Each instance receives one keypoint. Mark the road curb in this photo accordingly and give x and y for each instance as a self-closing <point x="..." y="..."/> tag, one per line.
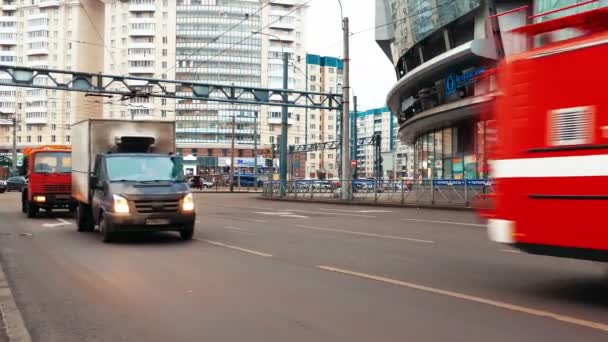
<point x="13" y="321"/>
<point x="366" y="204"/>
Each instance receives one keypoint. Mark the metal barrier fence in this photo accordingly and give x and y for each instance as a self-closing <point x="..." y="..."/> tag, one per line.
<point x="457" y="193"/>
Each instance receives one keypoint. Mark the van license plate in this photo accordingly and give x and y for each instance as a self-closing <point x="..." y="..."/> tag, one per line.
<point x="157" y="222"/>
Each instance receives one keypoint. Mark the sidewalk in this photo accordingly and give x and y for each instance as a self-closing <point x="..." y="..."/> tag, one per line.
<point x="385" y="204"/>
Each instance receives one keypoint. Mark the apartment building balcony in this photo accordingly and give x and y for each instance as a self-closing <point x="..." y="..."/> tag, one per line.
<point x="283" y="25"/>
<point x="9" y="7"/>
<point x="141" y="70"/>
<point x="9" y="29"/>
<point x="43" y="120"/>
<point x="8" y="105"/>
<point x="37" y="51"/>
<point x="142" y="32"/>
<point x="48" y="3"/>
<point x="8" y="40"/>
<point x="9" y="19"/>
<point x="142" y="6"/>
<point x="277" y="121"/>
<point x="141" y="57"/>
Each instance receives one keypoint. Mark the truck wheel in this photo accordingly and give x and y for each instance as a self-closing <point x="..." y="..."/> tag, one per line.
<point x="105" y="229"/>
<point x="84" y="219"/>
<point x="32" y="210"/>
<point x="187" y="233"/>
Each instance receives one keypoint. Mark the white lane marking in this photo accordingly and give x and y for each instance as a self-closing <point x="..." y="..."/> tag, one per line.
<point x="62" y="222"/>
<point x="240" y="249"/>
<point x="330" y="213"/>
<point x="358" y="211"/>
<point x="447" y="222"/>
<point x="511" y="251"/>
<point x="495" y="303"/>
<point x="235" y="228"/>
<point x="391" y="237"/>
<point x="280" y="214"/>
<point x="259" y="221"/>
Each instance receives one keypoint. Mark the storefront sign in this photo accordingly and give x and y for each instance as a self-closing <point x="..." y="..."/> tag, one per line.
<point x="454" y="81"/>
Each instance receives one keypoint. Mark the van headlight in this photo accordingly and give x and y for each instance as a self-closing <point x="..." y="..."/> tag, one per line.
<point x="188" y="203"/>
<point x="121" y="206"/>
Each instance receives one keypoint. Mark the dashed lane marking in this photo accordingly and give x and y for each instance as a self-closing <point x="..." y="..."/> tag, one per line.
<point x="447" y="222"/>
<point x="61" y="222"/>
<point x="480" y="300"/>
<point x="280" y="214"/>
<point x="235" y="228"/>
<point x="236" y="248"/>
<point x="391" y="237"/>
<point x="329" y="213"/>
<point x="511" y="251"/>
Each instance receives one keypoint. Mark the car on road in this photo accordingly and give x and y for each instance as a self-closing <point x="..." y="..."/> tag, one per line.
<point x="2" y="186"/>
<point x="198" y="182"/>
<point x="16" y="184"/>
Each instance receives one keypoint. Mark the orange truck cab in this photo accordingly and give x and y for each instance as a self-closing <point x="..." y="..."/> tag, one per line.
<point x="48" y="170"/>
<point x="550" y="162"/>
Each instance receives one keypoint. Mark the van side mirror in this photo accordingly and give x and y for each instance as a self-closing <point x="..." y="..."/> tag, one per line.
<point x="94" y="182"/>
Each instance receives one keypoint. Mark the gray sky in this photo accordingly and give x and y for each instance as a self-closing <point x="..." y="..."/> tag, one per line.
<point x="372" y="73"/>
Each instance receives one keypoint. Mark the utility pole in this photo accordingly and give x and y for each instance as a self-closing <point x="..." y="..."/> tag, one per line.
<point x="14" y="166"/>
<point x="271" y="166"/>
<point x="284" y="121"/>
<point x="255" y="151"/>
<point x="355" y="148"/>
<point x="232" y="163"/>
<point x="345" y="172"/>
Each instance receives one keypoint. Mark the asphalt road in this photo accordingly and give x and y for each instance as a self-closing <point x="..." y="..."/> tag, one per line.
<point x="268" y="271"/>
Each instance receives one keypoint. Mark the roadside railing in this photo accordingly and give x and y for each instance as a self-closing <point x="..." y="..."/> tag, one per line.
<point x="457" y="193"/>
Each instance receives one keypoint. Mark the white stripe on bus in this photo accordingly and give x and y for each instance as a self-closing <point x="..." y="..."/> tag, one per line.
<point x="571" y="166"/>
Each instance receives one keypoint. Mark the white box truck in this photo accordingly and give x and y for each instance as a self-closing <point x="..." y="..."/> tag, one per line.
<point x="127" y="178"/>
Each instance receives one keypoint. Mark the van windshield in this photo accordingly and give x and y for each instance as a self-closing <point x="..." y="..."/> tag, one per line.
<point x="143" y="169"/>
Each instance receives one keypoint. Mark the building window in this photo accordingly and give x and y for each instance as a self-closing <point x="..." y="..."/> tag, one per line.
<point x="163" y="113"/>
<point x="39" y="138"/>
<point x="67" y="138"/>
<point x="29" y="139"/>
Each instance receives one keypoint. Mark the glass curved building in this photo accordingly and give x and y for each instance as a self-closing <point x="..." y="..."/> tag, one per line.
<point x="440" y="50"/>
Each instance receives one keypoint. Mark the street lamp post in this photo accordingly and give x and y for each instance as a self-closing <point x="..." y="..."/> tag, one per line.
<point x="284" y="117"/>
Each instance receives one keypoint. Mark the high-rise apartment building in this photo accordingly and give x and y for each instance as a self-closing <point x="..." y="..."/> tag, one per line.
<point x="235" y="42"/>
<point x="48" y="34"/>
<point x="395" y="154"/>
<point x="324" y="74"/>
<point x="139" y="39"/>
<point x="229" y="42"/>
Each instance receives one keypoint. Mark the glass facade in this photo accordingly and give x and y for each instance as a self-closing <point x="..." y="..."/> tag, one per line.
<point x="541" y="6"/>
<point x="233" y="58"/>
<point x="417" y="19"/>
<point x="458" y="152"/>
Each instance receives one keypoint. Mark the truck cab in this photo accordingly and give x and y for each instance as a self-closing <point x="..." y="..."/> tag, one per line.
<point x="48" y="171"/>
<point x="128" y="179"/>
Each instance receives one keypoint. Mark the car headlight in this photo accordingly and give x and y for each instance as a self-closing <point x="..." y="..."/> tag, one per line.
<point x="40" y="199"/>
<point x="188" y="203"/>
<point x="121" y="205"/>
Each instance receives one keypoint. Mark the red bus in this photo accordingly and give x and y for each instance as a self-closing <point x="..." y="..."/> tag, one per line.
<point x="550" y="162"/>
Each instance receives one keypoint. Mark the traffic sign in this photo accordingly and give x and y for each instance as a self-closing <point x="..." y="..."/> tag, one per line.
<point x="353" y="163"/>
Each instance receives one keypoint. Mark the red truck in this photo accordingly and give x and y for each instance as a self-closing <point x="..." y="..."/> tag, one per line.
<point x="48" y="170"/>
<point x="550" y="162"/>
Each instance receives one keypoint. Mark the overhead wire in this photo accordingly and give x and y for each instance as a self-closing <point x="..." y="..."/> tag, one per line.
<point x="254" y="33"/>
<point x="247" y="17"/>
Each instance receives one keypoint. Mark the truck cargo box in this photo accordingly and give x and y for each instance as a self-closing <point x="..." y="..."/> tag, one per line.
<point x="99" y="136"/>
